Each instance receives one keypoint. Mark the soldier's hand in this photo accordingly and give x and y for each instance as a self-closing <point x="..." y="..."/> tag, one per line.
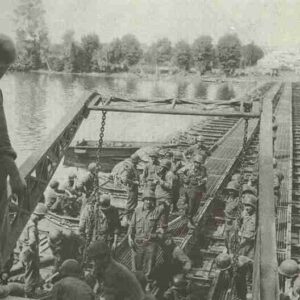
<point x="18" y="185"/>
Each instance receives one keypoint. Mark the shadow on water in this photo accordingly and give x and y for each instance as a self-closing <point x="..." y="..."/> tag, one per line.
<point x="225" y="92"/>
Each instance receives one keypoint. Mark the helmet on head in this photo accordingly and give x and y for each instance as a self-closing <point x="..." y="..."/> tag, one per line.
<point x="288" y="268"/>
<point x="233" y="186"/>
<point x="98" y="249"/>
<point x="40" y="209"/>
<point x="149" y="194"/>
<point x="153" y="153"/>
<point x="54" y="184"/>
<point x="250" y="200"/>
<point x="199" y="139"/>
<point x="166" y="164"/>
<point x="223" y="261"/>
<point x="236" y="177"/>
<point x="169" y="154"/>
<point x="72" y="175"/>
<point x="55" y="235"/>
<point x="104" y="201"/>
<point x="70" y="267"/>
<point x="179" y="281"/>
<point x="248" y="189"/>
<point x="178" y="155"/>
<point x="92" y="167"/>
<point x="198" y="159"/>
<point x="135" y="157"/>
<point x="274" y="163"/>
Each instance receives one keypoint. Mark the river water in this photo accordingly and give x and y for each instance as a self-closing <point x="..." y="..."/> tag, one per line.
<point x="35" y="103"/>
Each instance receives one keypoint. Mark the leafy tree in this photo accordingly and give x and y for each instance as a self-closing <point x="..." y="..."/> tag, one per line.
<point x="32" y="34"/>
<point x="183" y="55"/>
<point x="251" y="53"/>
<point x="203" y="53"/>
<point x="131" y="48"/>
<point x="115" y="54"/>
<point x="229" y="53"/>
<point x="90" y="44"/>
<point x="160" y="52"/>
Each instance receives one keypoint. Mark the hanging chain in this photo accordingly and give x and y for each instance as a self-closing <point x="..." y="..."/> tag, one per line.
<point x="101" y="136"/>
<point x="236" y="239"/>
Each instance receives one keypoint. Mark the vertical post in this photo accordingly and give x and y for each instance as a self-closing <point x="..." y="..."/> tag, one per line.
<point x="266" y="285"/>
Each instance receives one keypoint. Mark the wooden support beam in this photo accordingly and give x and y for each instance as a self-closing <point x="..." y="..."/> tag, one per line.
<point x="265" y="285"/>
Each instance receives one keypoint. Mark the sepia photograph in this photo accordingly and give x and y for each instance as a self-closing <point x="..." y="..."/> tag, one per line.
<point x="150" y="149"/>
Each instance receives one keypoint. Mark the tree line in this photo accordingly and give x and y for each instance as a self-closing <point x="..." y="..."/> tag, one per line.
<point x="35" y="51"/>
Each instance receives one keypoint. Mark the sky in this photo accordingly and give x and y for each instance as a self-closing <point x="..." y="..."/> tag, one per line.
<point x="269" y="23"/>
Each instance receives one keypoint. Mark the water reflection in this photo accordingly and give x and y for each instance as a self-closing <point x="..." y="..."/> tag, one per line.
<point x="35" y="103"/>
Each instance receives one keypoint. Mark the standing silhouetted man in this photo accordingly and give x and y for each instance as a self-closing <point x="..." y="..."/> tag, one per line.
<point x="8" y="166"/>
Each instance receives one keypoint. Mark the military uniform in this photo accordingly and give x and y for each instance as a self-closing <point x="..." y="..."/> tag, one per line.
<point x="72" y="288"/>
<point x="150" y="174"/>
<point x="142" y="229"/>
<point x="30" y="257"/>
<point x="176" y="182"/>
<point x="69" y="247"/>
<point x="164" y="194"/>
<point x="54" y="200"/>
<point x="89" y="182"/>
<point x="194" y="188"/>
<point x="247" y="234"/>
<point x="118" y="283"/>
<point x="198" y="149"/>
<point x="277" y="179"/>
<point x="130" y="177"/>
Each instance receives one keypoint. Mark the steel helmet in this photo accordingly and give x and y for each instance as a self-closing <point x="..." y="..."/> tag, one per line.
<point x="70" y="267"/>
<point x="92" y="167"/>
<point x="198" y="158"/>
<point x="274" y="163"/>
<point x="249" y="189"/>
<point x="177" y="155"/>
<point x="251" y="200"/>
<point x="40" y="209"/>
<point x="104" y="201"/>
<point x="72" y="175"/>
<point x="149" y="194"/>
<point x="98" y="249"/>
<point x="236" y="177"/>
<point x="166" y="164"/>
<point x="179" y="281"/>
<point x="199" y="138"/>
<point x="55" y="235"/>
<point x="153" y="153"/>
<point x="296" y="287"/>
<point x="223" y="261"/>
<point x="135" y="157"/>
<point x="233" y="185"/>
<point x="288" y="268"/>
<point x="54" y="184"/>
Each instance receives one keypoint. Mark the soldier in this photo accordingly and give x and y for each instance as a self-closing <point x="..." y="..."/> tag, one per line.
<point x="248" y="228"/>
<point x="230" y="211"/>
<point x="100" y="220"/>
<point x="65" y="246"/>
<point x="164" y="188"/>
<point x="30" y="250"/>
<point x="274" y="128"/>
<point x="293" y="293"/>
<point x="150" y="171"/>
<point x="69" y="186"/>
<point x="248" y="189"/>
<point x="198" y="149"/>
<point x="117" y="282"/>
<point x="142" y="234"/>
<point x="90" y="181"/>
<point x="277" y="179"/>
<point x="130" y="177"/>
<point x="180" y="289"/>
<point x="224" y="263"/>
<point x="54" y="197"/>
<point x="194" y="187"/>
<point x="71" y="286"/>
<point x="289" y="271"/>
<point x="175" y="261"/>
<point x="177" y="164"/>
<point x="7" y="154"/>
